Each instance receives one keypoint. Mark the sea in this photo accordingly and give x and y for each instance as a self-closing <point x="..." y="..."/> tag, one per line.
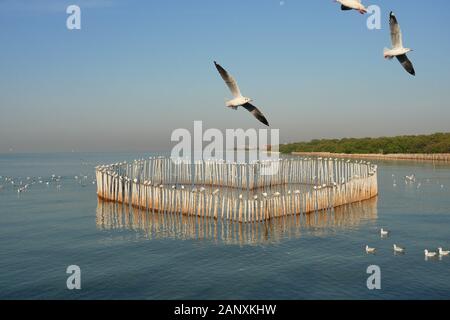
<point x="123" y="253"/>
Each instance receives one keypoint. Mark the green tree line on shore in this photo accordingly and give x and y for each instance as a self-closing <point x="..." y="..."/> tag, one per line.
<point x="434" y="143"/>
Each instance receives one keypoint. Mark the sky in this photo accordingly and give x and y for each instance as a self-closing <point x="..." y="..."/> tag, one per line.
<point x="137" y="70"/>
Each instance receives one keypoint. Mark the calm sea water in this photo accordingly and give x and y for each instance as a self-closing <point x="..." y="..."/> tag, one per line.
<point x="137" y="255"/>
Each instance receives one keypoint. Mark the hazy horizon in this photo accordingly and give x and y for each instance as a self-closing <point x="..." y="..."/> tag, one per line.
<point x="137" y="71"/>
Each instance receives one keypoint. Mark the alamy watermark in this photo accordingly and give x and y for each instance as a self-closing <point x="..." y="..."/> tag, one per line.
<point x="74" y="280"/>
<point x="73" y="21"/>
<point x="235" y="146"/>
<point x="374" y="280"/>
<point x="374" y="19"/>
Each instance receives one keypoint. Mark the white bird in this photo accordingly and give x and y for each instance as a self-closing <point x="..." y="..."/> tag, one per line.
<point x="398" y="249"/>
<point x="370" y="250"/>
<point x="411" y="178"/>
<point x="430" y="254"/>
<point x="384" y="232"/>
<point x="443" y="252"/>
<point x="352" y="5"/>
<point x="398" y="51"/>
<point x="238" y="99"/>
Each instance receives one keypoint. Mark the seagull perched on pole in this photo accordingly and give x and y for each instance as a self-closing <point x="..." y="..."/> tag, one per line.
<point x="398" y="51"/>
<point x="352" y="5"/>
<point x="238" y="99"/>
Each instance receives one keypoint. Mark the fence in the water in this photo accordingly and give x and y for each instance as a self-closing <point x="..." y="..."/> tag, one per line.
<point x="164" y="185"/>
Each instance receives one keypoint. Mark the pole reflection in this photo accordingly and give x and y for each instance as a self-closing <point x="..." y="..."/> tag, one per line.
<point x="159" y="225"/>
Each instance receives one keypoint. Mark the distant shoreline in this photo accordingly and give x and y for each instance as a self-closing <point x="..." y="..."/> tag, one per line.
<point x="444" y="157"/>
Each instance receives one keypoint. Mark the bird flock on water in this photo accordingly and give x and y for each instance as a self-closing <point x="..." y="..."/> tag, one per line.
<point x="440" y="252"/>
<point x="411" y="180"/>
<point x="22" y="185"/>
<point x="397" y="51"/>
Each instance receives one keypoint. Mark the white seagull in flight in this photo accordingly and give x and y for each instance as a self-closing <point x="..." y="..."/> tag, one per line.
<point x="352" y="5"/>
<point x="398" y="51"/>
<point x="238" y="99"/>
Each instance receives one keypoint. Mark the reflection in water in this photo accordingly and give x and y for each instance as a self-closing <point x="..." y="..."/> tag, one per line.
<point x="155" y="225"/>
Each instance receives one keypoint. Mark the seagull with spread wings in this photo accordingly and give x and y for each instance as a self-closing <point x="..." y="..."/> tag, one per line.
<point x="239" y="100"/>
<point x="398" y="51"/>
<point x="352" y="5"/>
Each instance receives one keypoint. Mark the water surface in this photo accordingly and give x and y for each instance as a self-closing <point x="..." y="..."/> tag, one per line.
<point x="139" y="255"/>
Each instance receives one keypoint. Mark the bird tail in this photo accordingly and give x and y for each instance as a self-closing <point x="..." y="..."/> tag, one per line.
<point x="229" y="104"/>
<point x="386" y="54"/>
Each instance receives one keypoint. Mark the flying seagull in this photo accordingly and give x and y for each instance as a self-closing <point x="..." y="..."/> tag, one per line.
<point x="238" y="99"/>
<point x="352" y="5"/>
<point x="398" y="51"/>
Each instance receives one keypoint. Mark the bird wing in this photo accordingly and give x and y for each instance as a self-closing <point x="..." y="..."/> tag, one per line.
<point x="229" y="80"/>
<point x="407" y="64"/>
<point x="255" y="111"/>
<point x="396" y="33"/>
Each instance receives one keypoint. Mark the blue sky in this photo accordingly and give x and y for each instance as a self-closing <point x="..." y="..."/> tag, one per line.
<point x="139" y="69"/>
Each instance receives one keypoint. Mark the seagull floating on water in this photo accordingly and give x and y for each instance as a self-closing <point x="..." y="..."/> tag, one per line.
<point x="398" y="249"/>
<point x="370" y="250"/>
<point x="238" y="99"/>
<point x="398" y="51"/>
<point x="352" y="5"/>
<point x="384" y="232"/>
<point x="430" y="254"/>
<point x="443" y="252"/>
